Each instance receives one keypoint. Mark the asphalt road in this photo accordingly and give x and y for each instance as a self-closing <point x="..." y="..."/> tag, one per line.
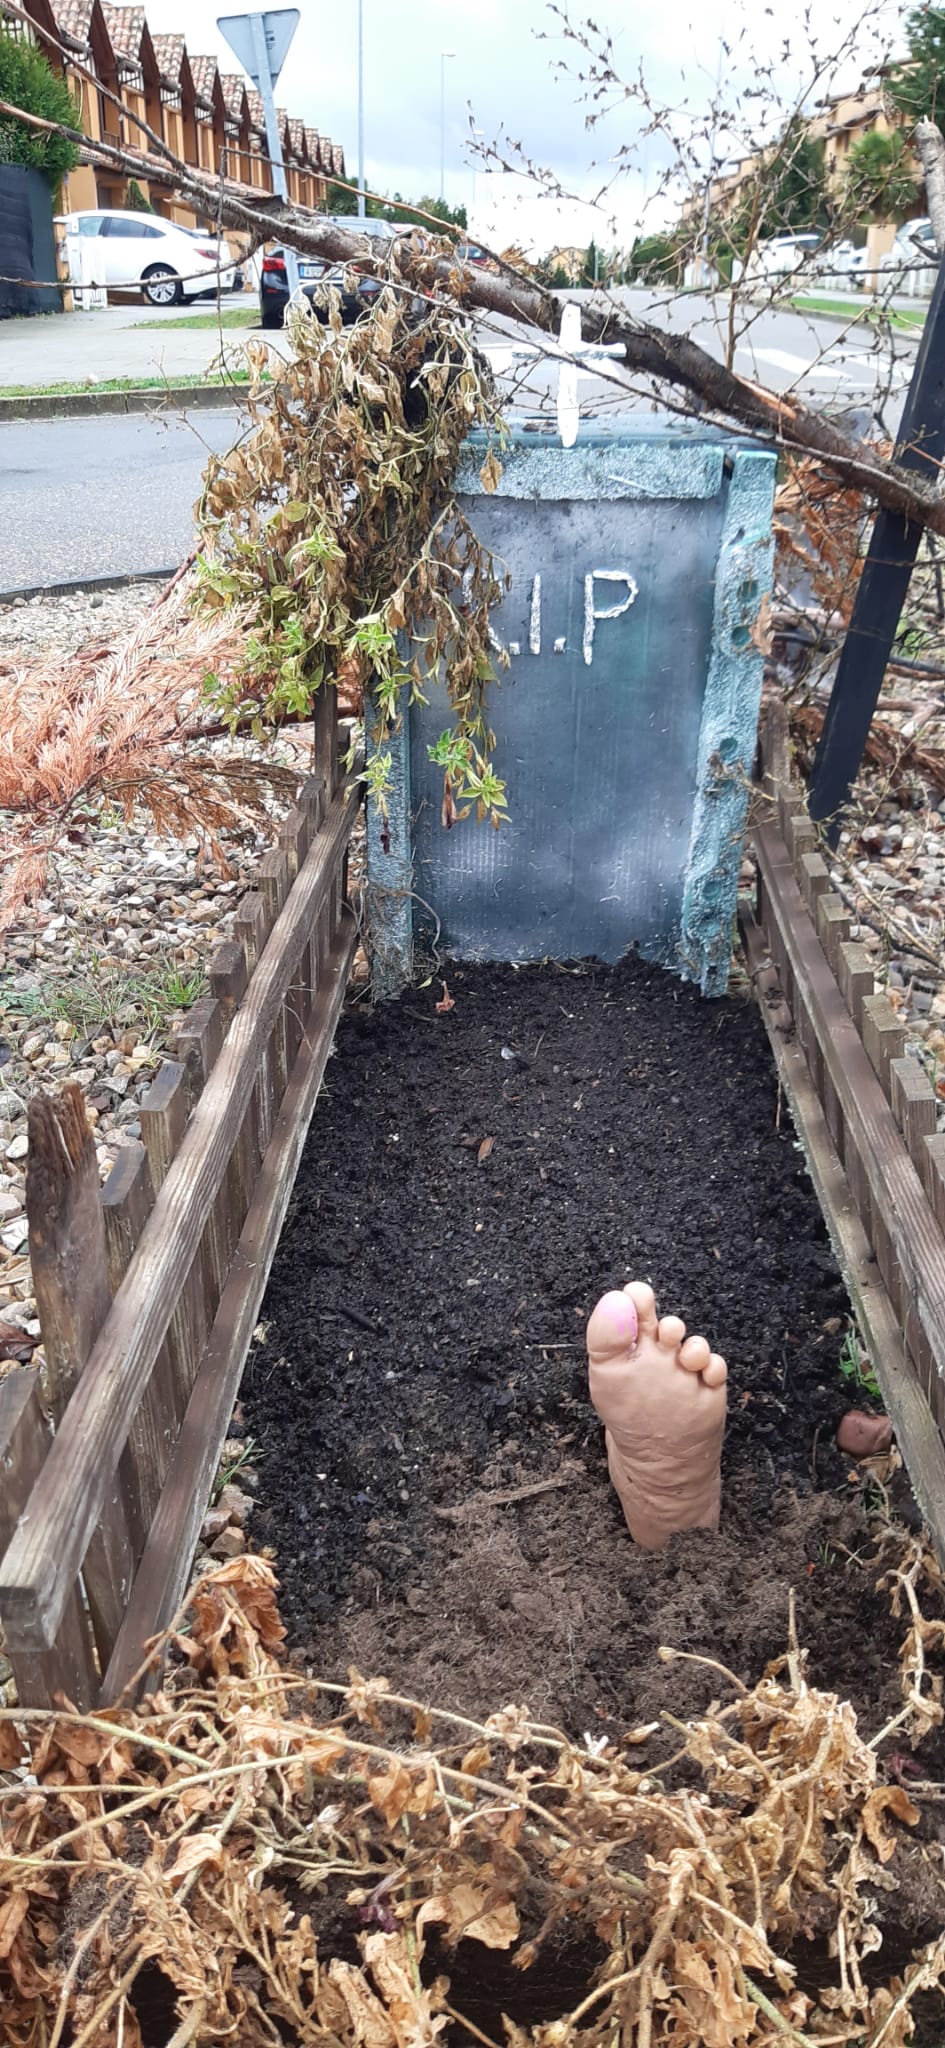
<point x="101" y="497"/>
<point x="107" y="496"/>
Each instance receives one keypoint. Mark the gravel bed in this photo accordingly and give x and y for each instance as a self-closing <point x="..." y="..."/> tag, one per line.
<point x="31" y="626"/>
<point x="95" y="975"/>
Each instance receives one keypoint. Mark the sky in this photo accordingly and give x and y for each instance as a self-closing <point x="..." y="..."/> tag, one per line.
<point x="505" y="78"/>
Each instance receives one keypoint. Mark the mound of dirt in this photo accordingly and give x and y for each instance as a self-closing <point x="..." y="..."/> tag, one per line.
<point x="432" y="1478"/>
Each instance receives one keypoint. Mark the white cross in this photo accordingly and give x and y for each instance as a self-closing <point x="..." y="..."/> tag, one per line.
<point x="572" y="353"/>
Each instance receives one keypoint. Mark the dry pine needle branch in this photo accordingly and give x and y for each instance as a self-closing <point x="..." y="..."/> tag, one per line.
<point x="309" y="1863"/>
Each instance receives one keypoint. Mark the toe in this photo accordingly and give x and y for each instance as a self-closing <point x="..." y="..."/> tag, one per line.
<point x="613" y="1326"/>
<point x="644" y="1301"/>
<point x="695" y="1354"/>
<point x="715" y="1373"/>
<point x="671" y="1333"/>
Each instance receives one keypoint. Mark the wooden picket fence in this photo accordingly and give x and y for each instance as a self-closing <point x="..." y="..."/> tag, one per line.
<point x="148" y="1289"/>
<point x="865" y="1110"/>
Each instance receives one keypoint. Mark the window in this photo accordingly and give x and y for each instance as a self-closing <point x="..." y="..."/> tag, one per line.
<point x="129" y="230"/>
<point x="89" y="223"/>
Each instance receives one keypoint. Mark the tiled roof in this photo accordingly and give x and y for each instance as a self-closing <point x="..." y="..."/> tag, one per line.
<point x="203" y="71"/>
<point x="297" y="137"/>
<point x="337" y="159"/>
<point x="125" y="26"/>
<point x="169" y="51"/>
<point x="74" y="20"/>
<point x="233" y="90"/>
<point x="256" y="112"/>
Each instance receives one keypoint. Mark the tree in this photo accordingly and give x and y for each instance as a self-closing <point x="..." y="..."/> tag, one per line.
<point x="403" y="213"/>
<point x="592" y="269"/>
<point x="917" y="86"/>
<point x="135" y="200"/>
<point x="878" y="181"/>
<point x="787" y="195"/>
<point x="655" y="259"/>
<point x="343" y="200"/>
<point x="29" y="82"/>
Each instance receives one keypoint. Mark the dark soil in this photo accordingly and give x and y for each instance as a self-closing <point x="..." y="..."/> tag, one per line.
<point x="472" y="1182"/>
<point x="475" y="1178"/>
<point x="421" y="1354"/>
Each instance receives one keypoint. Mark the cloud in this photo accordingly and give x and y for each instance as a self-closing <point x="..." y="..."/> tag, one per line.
<point x="506" y="75"/>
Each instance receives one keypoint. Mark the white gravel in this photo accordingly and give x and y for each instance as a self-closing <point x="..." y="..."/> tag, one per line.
<point x="95" y="974"/>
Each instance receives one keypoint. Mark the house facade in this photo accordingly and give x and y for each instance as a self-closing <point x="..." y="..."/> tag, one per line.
<point x="134" y="88"/>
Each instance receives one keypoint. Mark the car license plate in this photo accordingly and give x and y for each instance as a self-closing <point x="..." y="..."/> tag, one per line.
<point x="309" y="269"/>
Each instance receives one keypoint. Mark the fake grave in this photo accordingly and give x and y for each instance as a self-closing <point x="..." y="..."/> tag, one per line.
<point x="639" y="561"/>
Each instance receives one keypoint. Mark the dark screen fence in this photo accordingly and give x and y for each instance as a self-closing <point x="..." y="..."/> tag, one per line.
<point x="27" y="243"/>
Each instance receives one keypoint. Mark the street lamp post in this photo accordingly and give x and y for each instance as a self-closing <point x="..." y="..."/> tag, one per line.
<point x="362" y="204"/>
<point x="444" y="54"/>
<point x="477" y="135"/>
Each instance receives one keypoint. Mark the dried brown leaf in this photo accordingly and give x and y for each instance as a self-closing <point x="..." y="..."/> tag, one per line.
<point x="887" y="1799"/>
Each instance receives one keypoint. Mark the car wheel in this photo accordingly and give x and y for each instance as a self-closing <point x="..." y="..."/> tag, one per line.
<point x="272" y="319"/>
<point x="161" y="286"/>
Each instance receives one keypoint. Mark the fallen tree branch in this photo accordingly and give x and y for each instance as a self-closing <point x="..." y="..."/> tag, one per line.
<point x="671" y="359"/>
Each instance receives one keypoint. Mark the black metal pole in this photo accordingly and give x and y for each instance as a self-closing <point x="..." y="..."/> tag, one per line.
<point x="884" y="582"/>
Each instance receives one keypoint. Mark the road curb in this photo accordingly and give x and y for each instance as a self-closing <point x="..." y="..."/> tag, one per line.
<point x="25" y="591"/>
<point x="89" y="404"/>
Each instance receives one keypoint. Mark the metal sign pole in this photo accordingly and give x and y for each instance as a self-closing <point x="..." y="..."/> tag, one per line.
<point x="266" y="84"/>
<point x="884" y="583"/>
<point x="261" y="41"/>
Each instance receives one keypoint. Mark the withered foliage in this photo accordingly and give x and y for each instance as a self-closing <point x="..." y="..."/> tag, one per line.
<point x="213" y="1831"/>
<point x="819" y="529"/>
<point x="120" y="725"/>
<point x="334" y="530"/>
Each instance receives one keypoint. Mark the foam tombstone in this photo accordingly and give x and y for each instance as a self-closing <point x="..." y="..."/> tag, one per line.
<point x="661" y="1397"/>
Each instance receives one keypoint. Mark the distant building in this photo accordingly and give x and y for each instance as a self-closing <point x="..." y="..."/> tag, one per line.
<point x="213" y="121"/>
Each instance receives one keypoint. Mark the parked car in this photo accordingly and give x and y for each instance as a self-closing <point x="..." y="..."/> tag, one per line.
<point x="782" y="256"/>
<point x="912" y="261"/>
<point x="141" y="250"/>
<point x="315" y="277"/>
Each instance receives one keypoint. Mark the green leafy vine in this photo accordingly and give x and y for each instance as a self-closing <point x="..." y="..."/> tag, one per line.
<point x="333" y="530"/>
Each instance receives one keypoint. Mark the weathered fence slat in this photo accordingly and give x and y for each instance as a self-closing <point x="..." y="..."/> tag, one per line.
<point x="48" y="1547"/>
<point x="68" y="1667"/>
<point x="896" y="1192"/>
<point x="882" y="1117"/>
<point x="196" y="1044"/>
<point x="229" y="980"/>
<point x="127" y="1200"/>
<point x="914" y="1108"/>
<point x="252" y="927"/>
<point x="166" y="1561"/>
<point x="164" y="1112"/>
<point x="856" y="977"/>
<point x="70" y="1282"/>
<point x="883" y="1037"/>
<point x="901" y="1385"/>
<point x="833" y="925"/>
<point x="312" y="806"/>
<point x="274" y="888"/>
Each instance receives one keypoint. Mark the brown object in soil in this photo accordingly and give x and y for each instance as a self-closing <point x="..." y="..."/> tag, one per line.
<point x="864" y="1436"/>
<point x="661" y="1396"/>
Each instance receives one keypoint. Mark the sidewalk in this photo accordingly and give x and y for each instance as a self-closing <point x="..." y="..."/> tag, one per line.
<point x="93" y="348"/>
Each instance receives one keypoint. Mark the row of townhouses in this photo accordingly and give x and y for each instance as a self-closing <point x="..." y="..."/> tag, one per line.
<point x="211" y="119"/>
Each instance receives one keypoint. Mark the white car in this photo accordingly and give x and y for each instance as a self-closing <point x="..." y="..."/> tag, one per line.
<point x="782" y="256"/>
<point x="141" y="250"/>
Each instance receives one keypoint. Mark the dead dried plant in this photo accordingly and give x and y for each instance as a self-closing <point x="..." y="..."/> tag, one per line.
<point x="334" y="530"/>
<point x="122" y="725"/>
<point x="215" y="1828"/>
<point x="819" y="529"/>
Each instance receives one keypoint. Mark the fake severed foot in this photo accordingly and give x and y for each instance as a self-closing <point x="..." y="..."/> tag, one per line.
<point x="661" y="1397"/>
